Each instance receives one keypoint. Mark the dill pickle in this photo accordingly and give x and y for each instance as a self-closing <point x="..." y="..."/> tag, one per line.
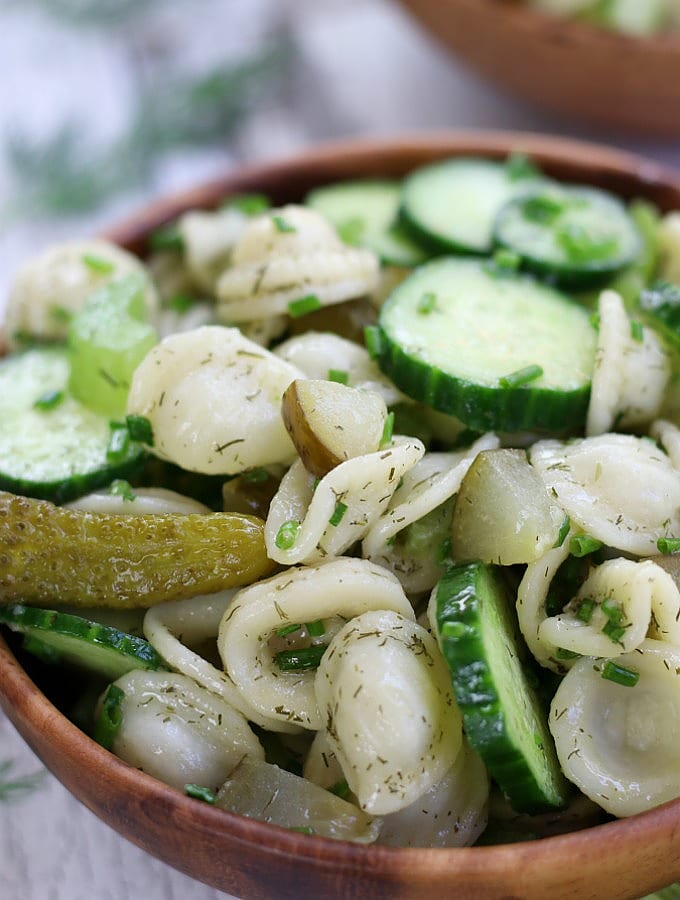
<point x="53" y="555"/>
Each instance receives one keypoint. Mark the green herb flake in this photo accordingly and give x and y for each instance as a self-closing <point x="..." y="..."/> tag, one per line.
<point x="180" y="303"/>
<point x="542" y="209"/>
<point x="168" y="237"/>
<point x="564" y="654"/>
<point x="256" y="476"/>
<point x="594" y="320"/>
<point x="503" y="262"/>
<point x="200" y="792"/>
<point x="373" y="340"/>
<point x="340" y="789"/>
<point x="140" y="429"/>
<point x="283" y="226"/>
<point x="612" y="610"/>
<point x="122" y="488"/>
<point x="97" y="264"/>
<point x="303" y="829"/>
<point x="302" y="306"/>
<point x="351" y="231"/>
<point x="300" y="660"/>
<point x="287" y="535"/>
<point x="49" y="400"/>
<point x="338" y="375"/>
<point x="668" y="545"/>
<point x="119" y="443"/>
<point x="338" y="514"/>
<point x="581" y="246"/>
<point x="611" y="671"/>
<point x="583" y="544"/>
<point x="388" y="430"/>
<point x="585" y="610"/>
<point x="563" y="532"/>
<point x="521" y="377"/>
<point x="60" y="314"/>
<point x="614" y="632"/>
<point x="248" y="204"/>
<point x="316" y="629"/>
<point x="427" y="303"/>
<point x="637" y="331"/>
<point x="110" y="718"/>
<point x="518" y="166"/>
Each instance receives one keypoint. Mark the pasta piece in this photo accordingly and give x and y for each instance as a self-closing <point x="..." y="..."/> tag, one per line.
<point x="209" y="239"/>
<point x="344" y="587"/>
<point x="453" y="813"/>
<point x="384" y="694"/>
<point x="359" y="488"/>
<point x="48" y="290"/>
<point x="288" y="254"/>
<point x="178" y="732"/>
<point x="264" y="331"/>
<point x="262" y="791"/>
<point x="213" y="399"/>
<point x="631" y="371"/>
<point x="618" y="488"/>
<point x="317" y="354"/>
<point x="669" y="237"/>
<point x="173" y="628"/>
<point x="321" y="764"/>
<point x="668" y="435"/>
<point x="619" y="743"/>
<point x="138" y="502"/>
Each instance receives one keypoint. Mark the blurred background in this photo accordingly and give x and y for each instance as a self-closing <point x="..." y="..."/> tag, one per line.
<point x="106" y="104"/>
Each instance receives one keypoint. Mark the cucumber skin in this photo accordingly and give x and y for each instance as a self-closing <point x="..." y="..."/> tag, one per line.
<point x="64" y="490"/>
<point x="482" y="407"/>
<point x="484" y="722"/>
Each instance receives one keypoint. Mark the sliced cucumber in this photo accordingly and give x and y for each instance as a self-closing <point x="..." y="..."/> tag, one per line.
<point x="500" y="352"/>
<point x="366" y="213"/>
<point x="64" y="638"/>
<point x="503" y="717"/>
<point x="58" y="449"/>
<point x="452" y="205"/>
<point x="575" y="235"/>
<point x="660" y="305"/>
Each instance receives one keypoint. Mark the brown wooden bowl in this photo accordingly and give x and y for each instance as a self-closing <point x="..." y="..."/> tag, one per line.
<point x="622" y="859"/>
<point x="590" y="73"/>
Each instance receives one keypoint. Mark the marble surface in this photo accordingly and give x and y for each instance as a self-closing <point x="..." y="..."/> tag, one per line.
<point x="359" y="67"/>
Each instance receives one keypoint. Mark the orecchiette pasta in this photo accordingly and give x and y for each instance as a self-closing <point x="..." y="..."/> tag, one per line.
<point x="139" y="502"/>
<point x="209" y="239"/>
<point x="385" y="697"/>
<point x="344" y="587"/>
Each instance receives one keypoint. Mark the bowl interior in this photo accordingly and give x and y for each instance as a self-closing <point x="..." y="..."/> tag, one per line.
<point x="626" y="858"/>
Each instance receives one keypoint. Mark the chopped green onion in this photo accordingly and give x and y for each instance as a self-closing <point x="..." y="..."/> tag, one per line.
<point x="60" y="314"/>
<point x="249" y="204"/>
<point x="300" y="660"/>
<point x="303" y="829"/>
<point x="119" y="443"/>
<point x="612" y="610"/>
<point x="316" y="629"/>
<point x="287" y="534"/>
<point x="287" y="629"/>
<point x="620" y="675"/>
<point x="668" y="545"/>
<point x="585" y="610"/>
<point x="503" y="262"/>
<point x="49" y="400"/>
<point x="140" y="430"/>
<point x="388" y="430"/>
<point x="168" y="237"/>
<point x="614" y="631"/>
<point x="282" y="226"/>
<point x="110" y="719"/>
<point x="542" y="208"/>
<point x="303" y="306"/>
<point x="256" y="476"/>
<point x="338" y="513"/>
<point x="122" y="488"/>
<point x="521" y="377"/>
<point x="338" y="375"/>
<point x="563" y="532"/>
<point x="97" y="264"/>
<point x="582" y="246"/>
<point x="518" y="166"/>
<point x="351" y="231"/>
<point x="637" y="331"/>
<point x="562" y="653"/>
<point x="594" y="320"/>
<point x="340" y="789"/>
<point x="583" y="544"/>
<point x="180" y="303"/>
<point x="427" y="303"/>
<point x="200" y="792"/>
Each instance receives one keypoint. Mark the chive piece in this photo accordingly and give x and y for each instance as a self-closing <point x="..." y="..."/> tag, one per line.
<point x="287" y="629"/>
<point x="521" y="377"/>
<point x="373" y="340"/>
<point x="563" y="532"/>
<point x="287" y="534"/>
<point x="200" y="792"/>
<point x="107" y="725"/>
<point x="168" y="237"/>
<point x="388" y="430"/>
<point x="351" y="231"/>
<point x="503" y="262"/>
<point x="338" y="375"/>
<point x="620" y="675"/>
<point x="338" y="513"/>
<point x="585" y="610"/>
<point x="49" y="400"/>
<point x="180" y="303"/>
<point x="340" y="789"/>
<point x="583" y="544"/>
<point x="668" y="545"/>
<point x="256" y="476"/>
<point x="122" y="488"/>
<point x="594" y="320"/>
<point x="518" y="166"/>
<point x="303" y="305"/>
<point x="249" y="204"/>
<point x="139" y="429"/>
<point x="542" y="208"/>
<point x="97" y="264"/>
<point x="303" y="829"/>
<point x="637" y="331"/>
<point x="582" y="246"/>
<point x="283" y="226"/>
<point x="562" y="653"/>
<point x="614" y="631"/>
<point x="427" y="303"/>
<point x="316" y="629"/>
<point x="61" y="314"/>
<point x="119" y="443"/>
<point x="612" y="610"/>
<point x="300" y="660"/>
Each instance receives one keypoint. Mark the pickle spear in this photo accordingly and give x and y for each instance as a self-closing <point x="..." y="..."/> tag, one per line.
<point x="53" y="555"/>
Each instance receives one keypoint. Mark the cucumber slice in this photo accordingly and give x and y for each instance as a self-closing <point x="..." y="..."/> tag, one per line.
<point x="472" y="349"/>
<point x="660" y="305"/>
<point x="366" y="213"/>
<point x="59" y="451"/>
<point x="503" y="717"/>
<point x="63" y="638"/>
<point x="576" y="236"/>
<point x="452" y="205"/>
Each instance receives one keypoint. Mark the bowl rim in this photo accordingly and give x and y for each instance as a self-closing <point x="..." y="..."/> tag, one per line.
<point x="38" y="720"/>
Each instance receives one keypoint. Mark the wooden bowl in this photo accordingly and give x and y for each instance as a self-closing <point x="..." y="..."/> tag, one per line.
<point x="622" y="859"/>
<point x="594" y="74"/>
